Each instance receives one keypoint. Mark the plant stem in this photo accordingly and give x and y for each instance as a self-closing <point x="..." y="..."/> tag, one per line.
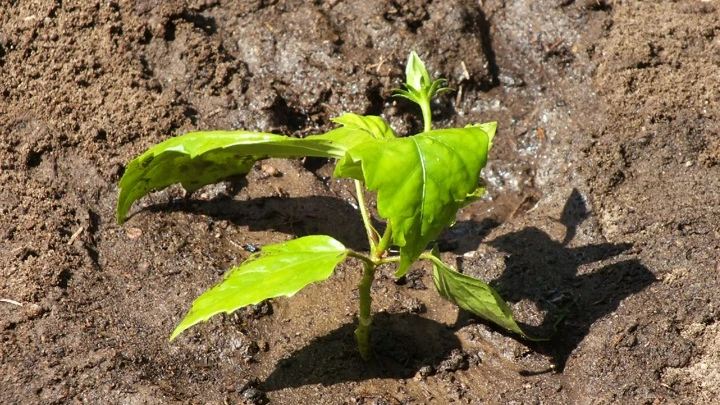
<point x="370" y="264"/>
<point x="362" y="333"/>
<point x="371" y="233"/>
<point x="427" y="115"/>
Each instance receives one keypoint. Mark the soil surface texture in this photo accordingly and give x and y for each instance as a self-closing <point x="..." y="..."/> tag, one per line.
<point x="603" y="201"/>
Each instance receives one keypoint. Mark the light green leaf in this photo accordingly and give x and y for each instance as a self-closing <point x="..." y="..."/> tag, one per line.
<point x="418" y="86"/>
<point x="475" y="195"/>
<point x="421" y="181"/>
<point x="416" y="75"/>
<point x="490" y="128"/>
<point x="372" y="125"/>
<point x="201" y="158"/>
<point x="472" y="295"/>
<point x="279" y="270"/>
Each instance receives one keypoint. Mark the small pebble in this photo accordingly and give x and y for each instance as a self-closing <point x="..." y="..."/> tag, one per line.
<point x="253" y="395"/>
<point x="270" y="171"/>
<point x="133" y="233"/>
<point x="424" y="372"/>
<point x="33" y="311"/>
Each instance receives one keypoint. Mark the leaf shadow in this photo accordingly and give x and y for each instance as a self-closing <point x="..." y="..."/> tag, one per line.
<point x="299" y="216"/>
<point x="465" y="236"/>
<point x="401" y="345"/>
<point x="548" y="273"/>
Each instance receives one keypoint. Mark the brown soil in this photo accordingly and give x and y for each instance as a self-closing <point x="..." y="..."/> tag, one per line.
<point x="604" y="195"/>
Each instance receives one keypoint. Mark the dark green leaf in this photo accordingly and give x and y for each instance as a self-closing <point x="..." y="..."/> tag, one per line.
<point x="472" y="295"/>
<point x="279" y="270"/>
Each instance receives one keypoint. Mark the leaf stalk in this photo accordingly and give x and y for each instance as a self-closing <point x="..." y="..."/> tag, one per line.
<point x="371" y="232"/>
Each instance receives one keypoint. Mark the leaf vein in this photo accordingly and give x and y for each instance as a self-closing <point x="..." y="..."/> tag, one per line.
<point x="424" y="182"/>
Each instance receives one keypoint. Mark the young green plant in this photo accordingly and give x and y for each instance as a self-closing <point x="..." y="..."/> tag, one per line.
<point x="421" y="182"/>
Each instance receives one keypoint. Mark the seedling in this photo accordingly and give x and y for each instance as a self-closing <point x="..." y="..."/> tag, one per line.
<point x="421" y="183"/>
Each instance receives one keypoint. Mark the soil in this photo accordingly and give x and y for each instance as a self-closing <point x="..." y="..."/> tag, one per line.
<point x="603" y="201"/>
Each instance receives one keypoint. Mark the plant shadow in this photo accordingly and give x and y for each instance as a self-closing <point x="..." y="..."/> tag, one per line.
<point x="299" y="216"/>
<point x="401" y="345"/>
<point x="548" y="273"/>
<point x="538" y="269"/>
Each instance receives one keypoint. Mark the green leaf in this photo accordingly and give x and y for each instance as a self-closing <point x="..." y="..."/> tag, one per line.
<point x="372" y="125"/>
<point x="419" y="88"/>
<point x="490" y="128"/>
<point x="475" y="195"/>
<point x="279" y="270"/>
<point x="416" y="75"/>
<point x="201" y="158"/>
<point x="472" y="295"/>
<point x="421" y="181"/>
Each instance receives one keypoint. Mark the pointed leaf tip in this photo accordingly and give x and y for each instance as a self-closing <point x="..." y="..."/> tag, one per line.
<point x="197" y="159"/>
<point x="278" y="270"/>
<point x="472" y="295"/>
<point x="416" y="75"/>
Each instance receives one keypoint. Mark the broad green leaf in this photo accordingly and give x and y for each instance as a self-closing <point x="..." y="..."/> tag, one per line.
<point x="421" y="181"/>
<point x="279" y="270"/>
<point x="201" y="158"/>
<point x="472" y="295"/>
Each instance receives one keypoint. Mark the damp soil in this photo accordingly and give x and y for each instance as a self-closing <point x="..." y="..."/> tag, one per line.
<point x="603" y="201"/>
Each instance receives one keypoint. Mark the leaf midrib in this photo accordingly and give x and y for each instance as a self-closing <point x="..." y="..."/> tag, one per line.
<point x="424" y="182"/>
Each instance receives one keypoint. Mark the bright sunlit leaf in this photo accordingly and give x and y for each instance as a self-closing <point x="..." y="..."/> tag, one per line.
<point x="279" y="270"/>
<point x="201" y="158"/>
<point x="421" y="181"/>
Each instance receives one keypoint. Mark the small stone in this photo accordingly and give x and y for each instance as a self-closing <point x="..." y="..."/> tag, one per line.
<point x="424" y="372"/>
<point x="34" y="310"/>
<point x="458" y="360"/>
<point x="270" y="171"/>
<point x="253" y="395"/>
<point x="133" y="233"/>
<point x="414" y="306"/>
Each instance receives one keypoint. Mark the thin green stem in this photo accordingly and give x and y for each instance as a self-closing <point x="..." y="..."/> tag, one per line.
<point x="362" y="333"/>
<point x="387" y="260"/>
<point x="427" y="114"/>
<point x="371" y="233"/>
<point x="365" y="259"/>
<point x="429" y="256"/>
<point x="370" y="264"/>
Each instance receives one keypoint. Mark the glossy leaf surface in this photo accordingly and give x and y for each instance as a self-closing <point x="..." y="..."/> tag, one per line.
<point x="200" y="158"/>
<point x="421" y="181"/>
<point x="279" y="270"/>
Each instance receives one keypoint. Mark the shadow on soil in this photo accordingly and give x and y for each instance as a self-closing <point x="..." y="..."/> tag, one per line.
<point x="402" y="344"/>
<point x="537" y="269"/>
<point x="542" y="270"/>
<point x="299" y="216"/>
